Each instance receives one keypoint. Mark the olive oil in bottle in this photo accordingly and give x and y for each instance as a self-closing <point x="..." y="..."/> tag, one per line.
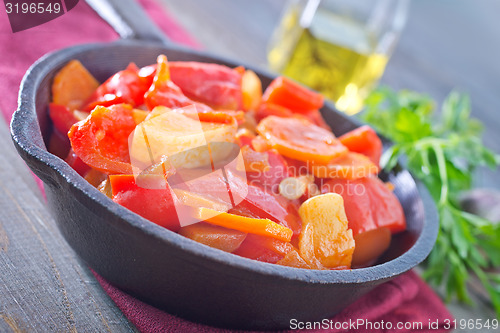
<point x="333" y="54"/>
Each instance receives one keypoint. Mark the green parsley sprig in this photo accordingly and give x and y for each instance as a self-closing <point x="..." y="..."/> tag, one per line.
<point x="443" y="150"/>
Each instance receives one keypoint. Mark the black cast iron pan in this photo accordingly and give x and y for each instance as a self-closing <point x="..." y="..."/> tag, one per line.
<point x="163" y="268"/>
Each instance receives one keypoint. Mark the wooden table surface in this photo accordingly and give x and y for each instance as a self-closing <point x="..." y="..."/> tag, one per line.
<point x="43" y="285"/>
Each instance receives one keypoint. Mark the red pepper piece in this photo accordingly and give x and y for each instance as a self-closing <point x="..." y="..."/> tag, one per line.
<point x="215" y="85"/>
<point x="363" y="140"/>
<point x="288" y="93"/>
<point x="101" y="141"/>
<point x="165" y="92"/>
<point x="156" y="205"/>
<point x="147" y="73"/>
<point x="62" y="117"/>
<point x="126" y="86"/>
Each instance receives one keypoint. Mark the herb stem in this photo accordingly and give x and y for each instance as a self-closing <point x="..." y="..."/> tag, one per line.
<point x="443" y="174"/>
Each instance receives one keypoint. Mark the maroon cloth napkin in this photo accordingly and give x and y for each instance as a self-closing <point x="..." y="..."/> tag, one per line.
<point x="406" y="299"/>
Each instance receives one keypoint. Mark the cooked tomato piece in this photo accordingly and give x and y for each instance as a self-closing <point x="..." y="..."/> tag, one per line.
<point x="264" y="249"/>
<point x="156" y="205"/>
<point x="296" y="168"/>
<point x="94" y="177"/>
<point x="349" y="166"/>
<point x="126" y="86"/>
<point x="369" y="204"/>
<point x="270" y="207"/>
<point x="363" y="140"/>
<point x="300" y="139"/>
<point x="270" y="109"/>
<point x="215" y="85"/>
<point x="101" y="140"/>
<point x="214" y="236"/>
<point x="288" y="93"/>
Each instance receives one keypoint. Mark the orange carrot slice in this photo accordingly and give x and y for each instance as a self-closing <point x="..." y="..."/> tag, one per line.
<point x="263" y="227"/>
<point x="214" y="236"/>
<point x="300" y="139"/>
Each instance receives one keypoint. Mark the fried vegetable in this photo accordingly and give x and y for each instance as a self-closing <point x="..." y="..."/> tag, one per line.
<point x="288" y="93"/>
<point x="262" y="227"/>
<point x="370" y="245"/>
<point x="156" y="205"/>
<point x="325" y="241"/>
<point x="73" y="85"/>
<point x="215" y="85"/>
<point x="300" y="139"/>
<point x="365" y="141"/>
<point x="293" y="259"/>
<point x="251" y="90"/>
<point x="126" y="86"/>
<point x="101" y="140"/>
<point x="369" y="204"/>
<point x="164" y="92"/>
<point x="264" y="249"/>
<point x="349" y="166"/>
<point x="224" y="239"/>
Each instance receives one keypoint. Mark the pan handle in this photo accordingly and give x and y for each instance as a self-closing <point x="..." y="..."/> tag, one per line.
<point x="128" y="19"/>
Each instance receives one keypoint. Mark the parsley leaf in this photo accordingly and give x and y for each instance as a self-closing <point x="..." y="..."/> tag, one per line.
<point x="443" y="150"/>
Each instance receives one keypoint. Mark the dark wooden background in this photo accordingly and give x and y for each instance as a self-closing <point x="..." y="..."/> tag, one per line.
<point x="44" y="287"/>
